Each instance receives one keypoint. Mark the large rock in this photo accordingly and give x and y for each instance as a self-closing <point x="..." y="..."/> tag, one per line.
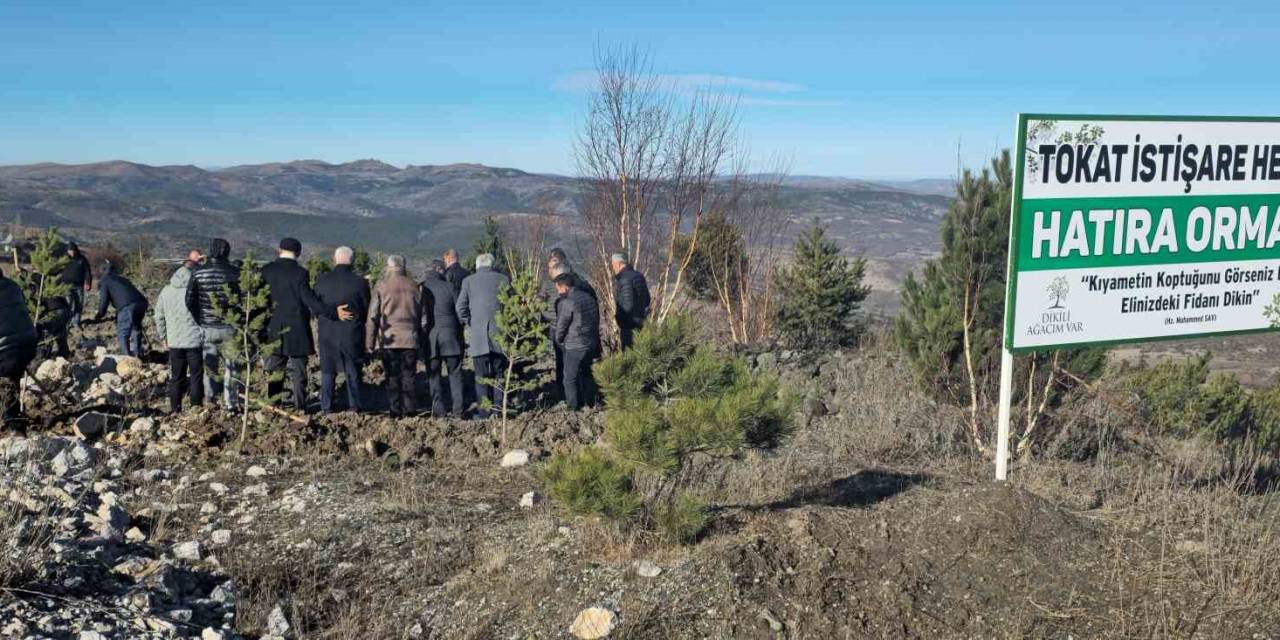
<point x="53" y="372"/>
<point x="129" y="367"/>
<point x="593" y="623"/>
<point x="516" y="458"/>
<point x="187" y="550"/>
<point x="277" y="624"/>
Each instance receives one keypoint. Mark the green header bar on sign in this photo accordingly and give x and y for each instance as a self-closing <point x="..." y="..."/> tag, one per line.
<point x="1068" y="233"/>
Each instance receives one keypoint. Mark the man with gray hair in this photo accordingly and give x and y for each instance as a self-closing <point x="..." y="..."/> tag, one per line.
<point x="557" y="265"/>
<point x="478" y="307"/>
<point x="393" y="332"/>
<point x="631" y="295"/>
<point x="342" y="343"/>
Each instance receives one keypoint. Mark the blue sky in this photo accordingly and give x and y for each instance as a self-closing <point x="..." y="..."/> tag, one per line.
<point x="883" y="89"/>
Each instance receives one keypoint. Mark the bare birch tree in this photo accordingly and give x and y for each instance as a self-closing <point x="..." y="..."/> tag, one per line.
<point x="652" y="164"/>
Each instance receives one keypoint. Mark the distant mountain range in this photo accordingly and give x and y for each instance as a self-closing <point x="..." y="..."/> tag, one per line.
<point x="415" y="209"/>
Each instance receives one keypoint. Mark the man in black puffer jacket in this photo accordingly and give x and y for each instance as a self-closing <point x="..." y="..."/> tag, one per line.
<point x="17" y="349"/>
<point x="207" y="290"/>
<point x="131" y="307"/>
<point x="577" y="332"/>
<point x="631" y="294"/>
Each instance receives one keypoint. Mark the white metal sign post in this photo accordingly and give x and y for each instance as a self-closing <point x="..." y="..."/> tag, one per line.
<point x="1137" y="228"/>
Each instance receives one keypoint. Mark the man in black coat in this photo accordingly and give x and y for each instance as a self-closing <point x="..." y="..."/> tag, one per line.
<point x="443" y="339"/>
<point x="292" y="305"/>
<point x="342" y="343"/>
<point x="131" y="307"/>
<point x="631" y="293"/>
<point x="17" y="349"/>
<point x="210" y="283"/>
<point x="577" y="331"/>
<point x="79" y="276"/>
<point x="454" y="272"/>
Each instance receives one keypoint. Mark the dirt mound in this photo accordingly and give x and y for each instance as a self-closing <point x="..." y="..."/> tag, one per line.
<point x="972" y="561"/>
<point x="444" y="441"/>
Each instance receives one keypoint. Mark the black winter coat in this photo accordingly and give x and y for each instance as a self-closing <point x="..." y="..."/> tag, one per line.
<point x="208" y="283"/>
<point x="632" y="295"/>
<point x="16" y="330"/>
<point x="455" y="274"/>
<point x="577" y="321"/>
<point x="77" y="273"/>
<point x="342" y="286"/>
<point x="440" y="322"/>
<point x="116" y="290"/>
<point x="292" y="305"/>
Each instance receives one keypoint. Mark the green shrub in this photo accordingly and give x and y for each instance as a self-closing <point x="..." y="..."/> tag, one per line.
<point x="668" y="400"/>
<point x="821" y="293"/>
<point x="590" y="481"/>
<point x="1184" y="399"/>
<point x="681" y="520"/>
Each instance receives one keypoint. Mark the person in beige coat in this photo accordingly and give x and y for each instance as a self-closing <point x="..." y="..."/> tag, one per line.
<point x="393" y="333"/>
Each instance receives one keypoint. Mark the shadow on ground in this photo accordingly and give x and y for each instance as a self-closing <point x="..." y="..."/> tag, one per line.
<point x="861" y="489"/>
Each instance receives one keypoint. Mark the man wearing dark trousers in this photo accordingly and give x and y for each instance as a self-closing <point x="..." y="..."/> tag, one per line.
<point x="478" y="307"/>
<point x="183" y="337"/>
<point x="578" y="334"/>
<point x="342" y="343"/>
<point x="79" y="276"/>
<point x="207" y="292"/>
<point x="17" y="350"/>
<point x="557" y="264"/>
<point x="131" y="307"/>
<point x="292" y="304"/>
<point x="394" y="333"/>
<point x="442" y="338"/>
<point x="631" y="294"/>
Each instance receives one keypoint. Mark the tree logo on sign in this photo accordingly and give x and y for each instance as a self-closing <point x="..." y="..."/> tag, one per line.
<point x="1058" y="289"/>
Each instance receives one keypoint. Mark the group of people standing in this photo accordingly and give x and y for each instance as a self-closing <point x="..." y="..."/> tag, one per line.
<point x="450" y="314"/>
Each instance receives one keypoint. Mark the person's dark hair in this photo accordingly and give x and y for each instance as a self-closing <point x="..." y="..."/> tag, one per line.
<point x="558" y="254"/>
<point x="292" y="245"/>
<point x="437" y="266"/>
<point x="565" y="279"/>
<point x="219" y="249"/>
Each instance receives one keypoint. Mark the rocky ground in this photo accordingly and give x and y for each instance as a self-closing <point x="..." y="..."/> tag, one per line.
<point x="873" y="521"/>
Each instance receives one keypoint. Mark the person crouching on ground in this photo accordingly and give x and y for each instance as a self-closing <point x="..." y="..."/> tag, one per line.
<point x="131" y="307"/>
<point x="184" y="339"/>
<point x="17" y="350"/>
<point x="395" y="319"/>
<point x="578" y="334"/>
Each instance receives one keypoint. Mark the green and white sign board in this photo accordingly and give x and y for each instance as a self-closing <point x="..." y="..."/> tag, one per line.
<point x="1134" y="228"/>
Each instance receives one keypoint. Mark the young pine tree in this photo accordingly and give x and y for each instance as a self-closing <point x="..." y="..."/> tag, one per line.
<point x="248" y="311"/>
<point x="522" y="335"/>
<point x="368" y="265"/>
<point x="490" y="241"/>
<point x="951" y="322"/>
<point x="821" y="293"/>
<point x="669" y="399"/>
<point x="317" y="266"/>
<point x="41" y="281"/>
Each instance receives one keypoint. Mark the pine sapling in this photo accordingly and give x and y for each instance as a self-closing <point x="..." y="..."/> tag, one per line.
<point x="522" y="336"/>
<point x="247" y="311"/>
